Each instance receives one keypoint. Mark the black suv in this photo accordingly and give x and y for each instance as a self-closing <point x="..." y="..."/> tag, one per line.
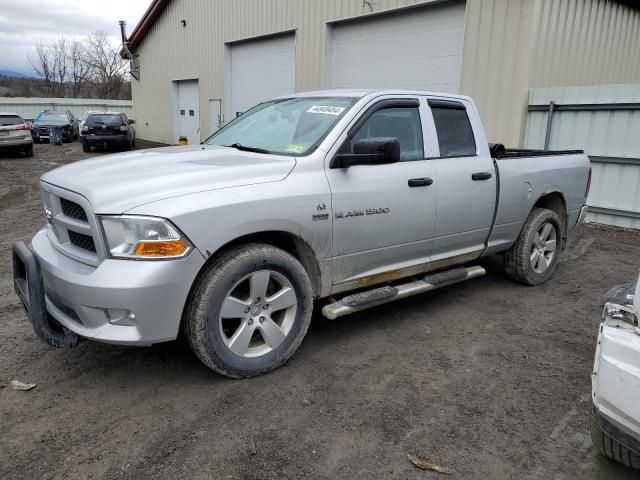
<point x="53" y="118"/>
<point x="108" y="130"/>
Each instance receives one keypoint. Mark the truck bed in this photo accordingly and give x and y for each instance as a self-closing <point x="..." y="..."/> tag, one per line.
<point x="499" y="151"/>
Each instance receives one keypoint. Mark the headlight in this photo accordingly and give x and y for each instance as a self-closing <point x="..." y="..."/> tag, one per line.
<point x="625" y="313"/>
<point x="139" y="238"/>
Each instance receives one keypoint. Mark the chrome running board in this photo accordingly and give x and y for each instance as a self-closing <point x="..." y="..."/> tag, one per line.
<point x="381" y="295"/>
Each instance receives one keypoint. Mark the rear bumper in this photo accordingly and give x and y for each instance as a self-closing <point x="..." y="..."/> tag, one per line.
<point x="106" y="139"/>
<point x="15" y="144"/>
<point x="97" y="302"/>
<point x="615" y="380"/>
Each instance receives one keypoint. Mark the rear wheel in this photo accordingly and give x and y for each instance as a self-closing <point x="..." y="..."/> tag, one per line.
<point x="249" y="311"/>
<point x="533" y="258"/>
<point x="28" y="151"/>
<point x="86" y="148"/>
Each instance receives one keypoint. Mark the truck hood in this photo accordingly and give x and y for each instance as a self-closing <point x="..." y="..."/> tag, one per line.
<point x="117" y="183"/>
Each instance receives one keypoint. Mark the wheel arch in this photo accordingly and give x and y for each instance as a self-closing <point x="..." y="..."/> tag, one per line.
<point x="293" y="244"/>
<point x="555" y="201"/>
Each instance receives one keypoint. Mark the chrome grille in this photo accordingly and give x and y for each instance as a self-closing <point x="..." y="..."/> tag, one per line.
<point x="73" y="210"/>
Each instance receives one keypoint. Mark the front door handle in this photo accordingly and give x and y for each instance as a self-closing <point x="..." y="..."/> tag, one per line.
<point x="481" y="176"/>
<point x="420" y="182"/>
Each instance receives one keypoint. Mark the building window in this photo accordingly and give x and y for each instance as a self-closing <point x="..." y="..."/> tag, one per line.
<point x="182" y="112"/>
<point x="191" y="113"/>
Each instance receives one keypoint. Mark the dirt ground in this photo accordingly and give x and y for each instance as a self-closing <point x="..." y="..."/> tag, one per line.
<point x="490" y="379"/>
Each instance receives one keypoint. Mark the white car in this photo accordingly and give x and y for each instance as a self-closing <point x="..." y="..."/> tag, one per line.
<point x="615" y="422"/>
<point x="15" y="134"/>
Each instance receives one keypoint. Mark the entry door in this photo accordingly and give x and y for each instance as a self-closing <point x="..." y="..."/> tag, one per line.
<point x="188" y="111"/>
<point x="384" y="215"/>
<point x="466" y="181"/>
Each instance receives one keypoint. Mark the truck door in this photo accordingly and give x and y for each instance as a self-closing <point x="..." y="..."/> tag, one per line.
<point x="466" y="181"/>
<point x="383" y="215"/>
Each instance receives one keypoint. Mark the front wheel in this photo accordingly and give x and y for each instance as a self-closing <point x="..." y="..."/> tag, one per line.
<point x="533" y="257"/>
<point x="249" y="311"/>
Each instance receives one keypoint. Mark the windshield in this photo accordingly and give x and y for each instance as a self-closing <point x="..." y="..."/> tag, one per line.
<point x="114" y="120"/>
<point x="294" y="126"/>
<point x="57" y="116"/>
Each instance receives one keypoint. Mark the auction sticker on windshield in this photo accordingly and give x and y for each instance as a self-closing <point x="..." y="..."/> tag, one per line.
<point x="326" y="109"/>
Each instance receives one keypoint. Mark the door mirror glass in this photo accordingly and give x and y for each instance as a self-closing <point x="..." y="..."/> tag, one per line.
<point x="370" y="151"/>
<point x="132" y="121"/>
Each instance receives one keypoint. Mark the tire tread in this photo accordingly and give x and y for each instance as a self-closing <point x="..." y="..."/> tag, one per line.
<point x="194" y="320"/>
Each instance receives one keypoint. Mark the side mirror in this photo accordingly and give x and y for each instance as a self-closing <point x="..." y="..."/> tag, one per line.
<point x="370" y="151"/>
<point x="132" y="121"/>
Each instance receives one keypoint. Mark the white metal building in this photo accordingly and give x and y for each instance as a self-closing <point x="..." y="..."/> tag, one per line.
<point x="201" y="62"/>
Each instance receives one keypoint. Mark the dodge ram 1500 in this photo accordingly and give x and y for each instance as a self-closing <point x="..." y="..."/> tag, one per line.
<point x="308" y="196"/>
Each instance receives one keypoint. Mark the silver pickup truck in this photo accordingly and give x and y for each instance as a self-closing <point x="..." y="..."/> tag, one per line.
<point x="386" y="193"/>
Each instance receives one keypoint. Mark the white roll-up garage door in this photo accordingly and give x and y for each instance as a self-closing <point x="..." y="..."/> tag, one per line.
<point x="261" y="69"/>
<point x="420" y="48"/>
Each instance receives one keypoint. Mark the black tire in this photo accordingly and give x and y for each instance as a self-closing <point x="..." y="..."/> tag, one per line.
<point x="201" y="318"/>
<point x="518" y="258"/>
<point x="612" y="448"/>
<point x="86" y="148"/>
<point x="36" y="140"/>
<point x="28" y="151"/>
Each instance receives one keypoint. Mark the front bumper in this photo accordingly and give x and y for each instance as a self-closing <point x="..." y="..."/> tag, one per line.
<point x="95" y="302"/>
<point x="616" y="378"/>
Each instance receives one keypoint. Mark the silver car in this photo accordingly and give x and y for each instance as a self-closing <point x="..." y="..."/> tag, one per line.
<point x="15" y="134"/>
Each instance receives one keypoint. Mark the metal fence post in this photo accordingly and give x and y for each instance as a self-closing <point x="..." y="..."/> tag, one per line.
<point x="547" y="135"/>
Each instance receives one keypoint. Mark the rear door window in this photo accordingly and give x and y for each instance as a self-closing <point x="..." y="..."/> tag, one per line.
<point x="455" y="134"/>
<point x="9" y="120"/>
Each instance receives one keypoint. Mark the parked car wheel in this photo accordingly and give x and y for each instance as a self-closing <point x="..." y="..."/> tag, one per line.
<point x="533" y="257"/>
<point x="86" y="148"/>
<point x="609" y="446"/>
<point x="28" y="151"/>
<point x="249" y="311"/>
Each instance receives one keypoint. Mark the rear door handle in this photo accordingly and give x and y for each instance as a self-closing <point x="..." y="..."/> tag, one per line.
<point x="420" y="182"/>
<point x="481" y="176"/>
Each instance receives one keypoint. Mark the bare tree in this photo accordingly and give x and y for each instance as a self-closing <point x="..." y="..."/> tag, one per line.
<point x="50" y="64"/>
<point x="91" y="67"/>
<point x="78" y="67"/>
<point x="108" y="69"/>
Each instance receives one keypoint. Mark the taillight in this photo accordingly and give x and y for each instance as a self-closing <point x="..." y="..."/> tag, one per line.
<point x="586" y="192"/>
<point x="24" y="126"/>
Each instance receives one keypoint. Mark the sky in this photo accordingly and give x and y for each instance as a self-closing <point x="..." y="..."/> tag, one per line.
<point x="26" y="23"/>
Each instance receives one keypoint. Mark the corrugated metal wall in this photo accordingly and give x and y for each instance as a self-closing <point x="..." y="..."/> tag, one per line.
<point x="171" y="52"/>
<point x="512" y="46"/>
<point x="610" y="137"/>
<point x="28" y="108"/>
<point x="509" y="47"/>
